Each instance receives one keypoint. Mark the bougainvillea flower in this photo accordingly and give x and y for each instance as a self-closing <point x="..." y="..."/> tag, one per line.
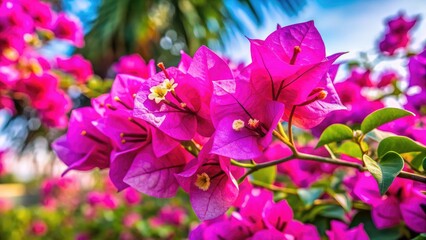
<point x="403" y="201"/>
<point x="417" y="69"/>
<point x="170" y="215"/>
<point x="211" y="183"/>
<point x="38" y="87"/>
<point x="221" y="228"/>
<point x="358" y="107"/>
<point x="40" y="12"/>
<point x="14" y="19"/>
<point x="387" y="78"/>
<point x="179" y="103"/>
<point x="130" y="137"/>
<point x="340" y="230"/>
<point x="135" y="65"/>
<point x="361" y="77"/>
<point x="250" y="210"/>
<point x="259" y="218"/>
<point x="185" y="62"/>
<point x="397" y="34"/>
<point x="290" y="57"/>
<point x="53" y="112"/>
<point x="38" y="228"/>
<point x="69" y="29"/>
<point x="123" y="92"/>
<point x="155" y="175"/>
<point x="84" y="147"/>
<point x="323" y="100"/>
<point x="77" y="66"/>
<point x="244" y="119"/>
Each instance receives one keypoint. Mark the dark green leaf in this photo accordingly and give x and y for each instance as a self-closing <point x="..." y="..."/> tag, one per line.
<point x="335" y="133"/>
<point x="266" y="175"/>
<point x="382" y="116"/>
<point x="399" y="144"/>
<point x="386" y="170"/>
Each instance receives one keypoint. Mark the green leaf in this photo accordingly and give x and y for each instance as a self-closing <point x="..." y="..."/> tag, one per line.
<point x="329" y="211"/>
<point x="378" y="135"/>
<point x="399" y="144"/>
<point x="343" y="200"/>
<point x="351" y="149"/>
<point x="382" y="116"/>
<point x="419" y="161"/>
<point x="335" y="133"/>
<point x="309" y="195"/>
<point x="386" y="170"/>
<point x="266" y="175"/>
<point x="422" y="236"/>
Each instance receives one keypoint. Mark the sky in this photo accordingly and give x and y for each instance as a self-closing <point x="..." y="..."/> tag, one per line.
<point x="352" y="26"/>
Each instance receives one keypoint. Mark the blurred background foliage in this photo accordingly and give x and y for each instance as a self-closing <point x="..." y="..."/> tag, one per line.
<point x="161" y="29"/>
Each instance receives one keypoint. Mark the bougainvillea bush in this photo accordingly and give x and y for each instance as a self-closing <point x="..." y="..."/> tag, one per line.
<point x="271" y="150"/>
<point x="275" y="149"/>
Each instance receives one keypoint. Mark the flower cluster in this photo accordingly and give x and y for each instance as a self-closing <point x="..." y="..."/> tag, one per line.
<point x="148" y="129"/>
<point x="259" y="217"/>
<point x="204" y="126"/>
<point x="397" y="34"/>
<point x="26" y="77"/>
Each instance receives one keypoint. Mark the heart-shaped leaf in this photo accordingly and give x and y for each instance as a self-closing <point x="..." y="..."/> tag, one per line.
<point x="335" y="133"/>
<point x="386" y="170"/>
<point x="382" y="116"/>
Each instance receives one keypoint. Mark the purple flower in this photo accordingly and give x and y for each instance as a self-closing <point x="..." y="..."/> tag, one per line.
<point x="340" y="230"/>
<point x="69" y="29"/>
<point x="244" y="119"/>
<point x="135" y="65"/>
<point x="397" y="34"/>
<point x="178" y="103"/>
<point x="403" y="201"/>
<point x="211" y="183"/>
<point x="83" y="147"/>
<point x="77" y="66"/>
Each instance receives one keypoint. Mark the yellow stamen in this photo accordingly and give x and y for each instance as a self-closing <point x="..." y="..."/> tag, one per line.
<point x="237" y="125"/>
<point x="203" y="181"/>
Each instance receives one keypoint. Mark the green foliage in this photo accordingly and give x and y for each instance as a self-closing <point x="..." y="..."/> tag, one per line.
<point x="351" y="149"/>
<point x="309" y="195"/>
<point x="335" y="133"/>
<point x="329" y="211"/>
<point x="382" y="116"/>
<point x="399" y="144"/>
<point x="266" y="175"/>
<point x="386" y="170"/>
